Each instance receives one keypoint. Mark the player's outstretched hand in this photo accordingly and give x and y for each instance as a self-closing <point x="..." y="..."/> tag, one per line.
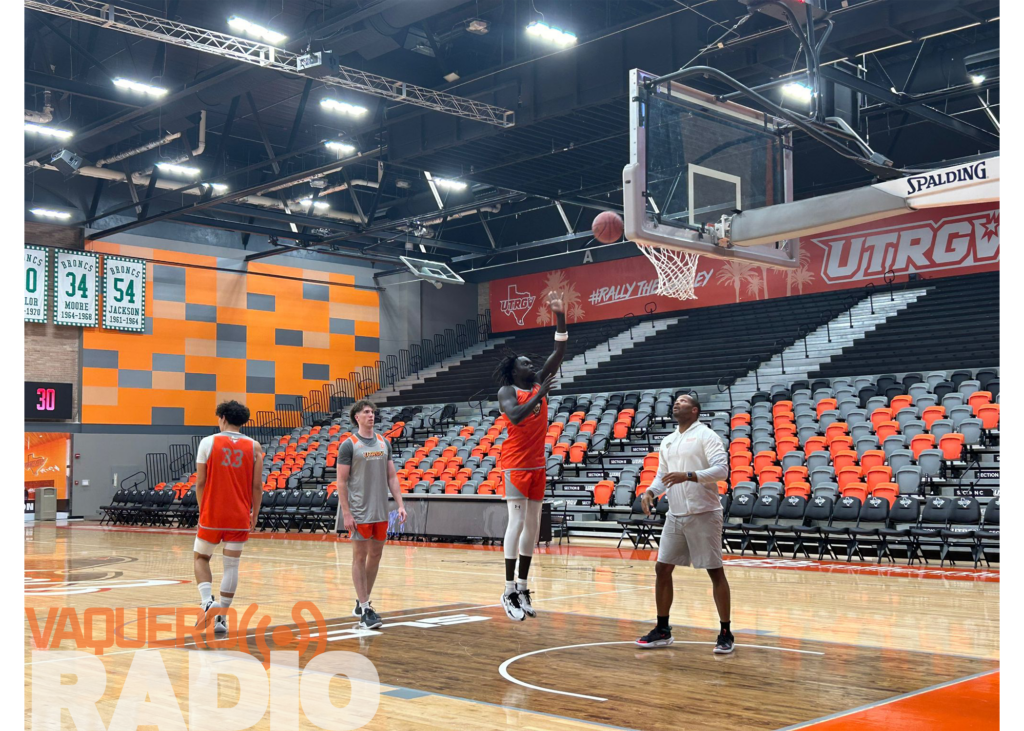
<point x="645" y="502"/>
<point x="555" y="302"/>
<point x="549" y="383"/>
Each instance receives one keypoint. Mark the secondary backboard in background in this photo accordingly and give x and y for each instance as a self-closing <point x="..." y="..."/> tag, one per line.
<point x="433" y="271"/>
<point x="694" y="159"/>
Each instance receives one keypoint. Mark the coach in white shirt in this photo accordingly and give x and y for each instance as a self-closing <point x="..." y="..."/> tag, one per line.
<point x="691" y="461"/>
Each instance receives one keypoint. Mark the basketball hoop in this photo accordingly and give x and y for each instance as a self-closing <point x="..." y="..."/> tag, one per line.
<point x="676" y="269"/>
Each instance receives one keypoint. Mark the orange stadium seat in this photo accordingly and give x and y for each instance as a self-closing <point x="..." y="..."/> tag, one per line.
<point x="920" y="443"/>
<point x="952" y="446"/>
<point x="878" y="476"/>
<point x="989" y="415"/>
<point x="803" y="489"/>
<point x="886" y="429"/>
<point x="603" y="492"/>
<point x="848" y="475"/>
<point x="739" y="444"/>
<point x="739" y="420"/>
<point x="741" y="474"/>
<point x="578" y="452"/>
<point x="763" y="459"/>
<point x="978" y="399"/>
<point x="826" y="404"/>
<point x="855" y="489"/>
<point x="782" y="407"/>
<point x="785" y="430"/>
<point x="815" y="444"/>
<point x="900" y="402"/>
<point x="933" y="414"/>
<point x="651" y="460"/>
<point x="795" y="474"/>
<point x="771" y="473"/>
<point x="840" y="444"/>
<point x="835" y="429"/>
<point x="741" y="459"/>
<point x="785" y="445"/>
<point x="844" y="459"/>
<point x="887" y="490"/>
<point x="723" y="487"/>
<point x="872" y="458"/>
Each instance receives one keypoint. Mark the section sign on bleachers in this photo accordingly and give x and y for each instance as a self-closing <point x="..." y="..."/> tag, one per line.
<point x="124" y="294"/>
<point x="37" y="275"/>
<point x="76" y="288"/>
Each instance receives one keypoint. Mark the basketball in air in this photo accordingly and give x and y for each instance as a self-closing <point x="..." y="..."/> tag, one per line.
<point x="607" y="227"/>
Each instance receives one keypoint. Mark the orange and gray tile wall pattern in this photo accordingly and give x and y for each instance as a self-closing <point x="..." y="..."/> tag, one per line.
<point x="261" y="336"/>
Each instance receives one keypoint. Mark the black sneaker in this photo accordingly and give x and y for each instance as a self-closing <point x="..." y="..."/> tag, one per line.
<point x="370" y="620"/>
<point x="725" y="643"/>
<point x="657" y="637"/>
<point x="358" y="611"/>
<point x="526" y="603"/>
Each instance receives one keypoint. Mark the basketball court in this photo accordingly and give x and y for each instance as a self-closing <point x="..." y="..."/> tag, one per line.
<point x="326" y="233"/>
<point x="896" y="645"/>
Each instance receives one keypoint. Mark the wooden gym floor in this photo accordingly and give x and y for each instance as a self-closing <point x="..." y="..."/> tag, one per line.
<point x="820" y="645"/>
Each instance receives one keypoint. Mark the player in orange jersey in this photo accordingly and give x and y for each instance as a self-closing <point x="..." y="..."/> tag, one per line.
<point x="523" y="399"/>
<point x="229" y="489"/>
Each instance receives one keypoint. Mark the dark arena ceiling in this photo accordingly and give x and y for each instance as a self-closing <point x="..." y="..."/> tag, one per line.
<point x="526" y="191"/>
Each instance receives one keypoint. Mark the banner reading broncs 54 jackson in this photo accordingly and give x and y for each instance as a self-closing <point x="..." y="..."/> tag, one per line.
<point x="940" y="242"/>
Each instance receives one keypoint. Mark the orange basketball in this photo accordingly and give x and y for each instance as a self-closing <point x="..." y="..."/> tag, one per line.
<point x="607" y="227"/>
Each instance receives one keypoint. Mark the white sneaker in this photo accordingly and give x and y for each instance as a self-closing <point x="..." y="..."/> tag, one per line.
<point x="205" y="606"/>
<point x="220" y="625"/>
<point x="526" y="603"/>
<point x="513" y="608"/>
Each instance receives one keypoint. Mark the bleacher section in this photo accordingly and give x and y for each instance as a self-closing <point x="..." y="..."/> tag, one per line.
<point x="715" y="342"/>
<point x="871" y="466"/>
<point x="940" y="331"/>
<point x="463" y="380"/>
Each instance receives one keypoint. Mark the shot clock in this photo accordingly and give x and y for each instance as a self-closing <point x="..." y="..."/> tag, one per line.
<point x="47" y="401"/>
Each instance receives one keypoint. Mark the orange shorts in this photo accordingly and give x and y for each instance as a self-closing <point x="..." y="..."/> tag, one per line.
<point x="217" y="536"/>
<point x="527" y="484"/>
<point x="375" y="531"/>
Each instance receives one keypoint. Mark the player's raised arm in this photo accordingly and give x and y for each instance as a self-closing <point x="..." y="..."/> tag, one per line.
<point x="557" y="305"/>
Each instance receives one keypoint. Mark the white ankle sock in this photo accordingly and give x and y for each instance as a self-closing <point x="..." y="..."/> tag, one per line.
<point x="510" y="586"/>
<point x="521" y="585"/>
<point x="205" y="592"/>
<point x="364" y="605"/>
<point x="225" y="601"/>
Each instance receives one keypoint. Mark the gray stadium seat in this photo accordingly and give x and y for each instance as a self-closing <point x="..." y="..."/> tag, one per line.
<point x="930" y="462"/>
<point x="972" y="431"/>
<point x="909" y="480"/>
<point x="899" y="459"/>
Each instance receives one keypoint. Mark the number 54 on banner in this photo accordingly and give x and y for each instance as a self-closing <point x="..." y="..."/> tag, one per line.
<point x="124" y="294"/>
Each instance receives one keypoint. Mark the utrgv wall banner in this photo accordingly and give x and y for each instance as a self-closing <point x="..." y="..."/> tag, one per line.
<point x="939" y="242"/>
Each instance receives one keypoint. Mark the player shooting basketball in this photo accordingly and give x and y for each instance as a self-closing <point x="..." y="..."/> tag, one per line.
<point x="523" y="399"/>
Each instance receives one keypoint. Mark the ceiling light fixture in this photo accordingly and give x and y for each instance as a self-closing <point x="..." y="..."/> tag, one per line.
<point x="540" y="29"/>
<point x="478" y="27"/>
<point x="340" y="147"/>
<point x="977" y="79"/>
<point x="219" y="187"/>
<point x="800" y="92"/>
<point x="335" y="106"/>
<point x="258" y="31"/>
<point x="450" y="184"/>
<point x="317" y="205"/>
<point x="60" y="134"/>
<point x="169" y="167"/>
<point x="452" y="77"/>
<point x="49" y="213"/>
<point x="139" y="87"/>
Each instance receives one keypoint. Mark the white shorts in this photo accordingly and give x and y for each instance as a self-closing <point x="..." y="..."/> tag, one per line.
<point x="692" y="540"/>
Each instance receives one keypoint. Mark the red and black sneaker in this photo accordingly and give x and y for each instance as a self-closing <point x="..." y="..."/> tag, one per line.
<point x="657" y="637"/>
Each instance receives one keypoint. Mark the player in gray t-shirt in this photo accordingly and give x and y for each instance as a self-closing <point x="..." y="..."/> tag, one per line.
<point x="365" y="475"/>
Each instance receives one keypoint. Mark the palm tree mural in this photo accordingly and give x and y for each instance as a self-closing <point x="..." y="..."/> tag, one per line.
<point x="753" y="280"/>
<point x="732" y="274"/>
<point x="558" y="283"/>
<point x="801" y="275"/>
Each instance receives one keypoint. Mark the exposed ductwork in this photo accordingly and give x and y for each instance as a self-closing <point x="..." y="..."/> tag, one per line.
<point x="160" y="142"/>
<point x="43" y="117"/>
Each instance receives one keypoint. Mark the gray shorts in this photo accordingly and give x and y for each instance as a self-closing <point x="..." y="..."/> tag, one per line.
<point x="692" y="540"/>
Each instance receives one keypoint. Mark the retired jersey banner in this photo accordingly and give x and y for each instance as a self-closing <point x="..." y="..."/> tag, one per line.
<point x="76" y="288"/>
<point x="124" y="294"/>
<point x="37" y="277"/>
<point x="938" y="242"/>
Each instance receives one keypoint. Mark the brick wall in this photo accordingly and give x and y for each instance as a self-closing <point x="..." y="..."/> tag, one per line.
<point x="51" y="351"/>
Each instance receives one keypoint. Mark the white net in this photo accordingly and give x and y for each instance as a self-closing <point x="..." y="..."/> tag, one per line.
<point x="676" y="270"/>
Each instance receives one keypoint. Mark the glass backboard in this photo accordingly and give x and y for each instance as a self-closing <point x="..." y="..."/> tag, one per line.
<point x="693" y="160"/>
